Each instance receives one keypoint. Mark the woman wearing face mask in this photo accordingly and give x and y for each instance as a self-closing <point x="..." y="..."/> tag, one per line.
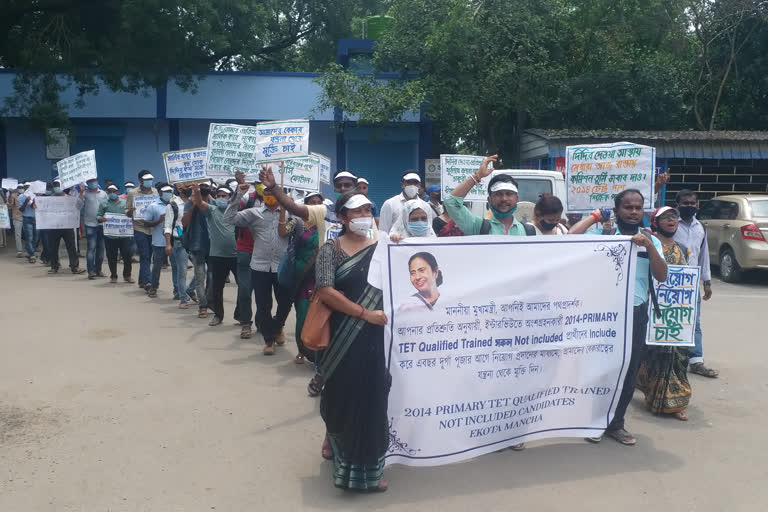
<point x="663" y="373"/>
<point x="354" y="399"/>
<point x="413" y="222"/>
<point x="547" y="214"/>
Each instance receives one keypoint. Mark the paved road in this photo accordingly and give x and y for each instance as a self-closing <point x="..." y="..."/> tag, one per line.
<point x="110" y="401"/>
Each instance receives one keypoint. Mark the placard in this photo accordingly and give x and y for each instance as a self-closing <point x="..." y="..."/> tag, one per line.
<point x="186" y="165"/>
<point x="596" y="173"/>
<point x="10" y="183"/>
<point x="77" y="169"/>
<point x="431" y="172"/>
<point x="5" y="219"/>
<point x="141" y="203"/>
<point x="454" y="169"/>
<point x="118" y="226"/>
<point x="300" y="173"/>
<point x="511" y="353"/>
<point x="57" y="212"/>
<point x="325" y="168"/>
<point x="678" y="300"/>
<point x="37" y="188"/>
<point x="233" y="147"/>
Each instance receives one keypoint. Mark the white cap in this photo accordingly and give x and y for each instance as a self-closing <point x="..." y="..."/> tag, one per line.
<point x="147" y="177"/>
<point x="167" y="188"/>
<point x="311" y="194"/>
<point x="130" y="184"/>
<point x="27" y="183"/>
<point x="112" y="187"/>
<point x="224" y="188"/>
<point x="412" y="176"/>
<point x="504" y="185"/>
<point x="356" y="201"/>
<point x="363" y="180"/>
<point x="345" y="174"/>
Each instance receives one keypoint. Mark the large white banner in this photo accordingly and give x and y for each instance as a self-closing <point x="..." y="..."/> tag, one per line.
<point x="77" y="169"/>
<point x="596" y="173"/>
<point x="57" y="212"/>
<point x="498" y="340"/>
<point x="678" y="299"/>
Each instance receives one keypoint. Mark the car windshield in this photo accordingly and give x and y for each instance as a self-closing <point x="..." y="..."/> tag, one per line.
<point x="531" y="189"/>
<point x="759" y="208"/>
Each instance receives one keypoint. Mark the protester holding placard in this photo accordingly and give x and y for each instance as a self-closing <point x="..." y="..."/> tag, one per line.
<point x="114" y="204"/>
<point x="222" y="255"/>
<point x="269" y="247"/>
<point x="141" y="231"/>
<point x="5" y="217"/>
<point x="393" y="207"/>
<point x="502" y="198"/>
<point x="354" y="399"/>
<point x="197" y="245"/>
<point x="93" y="231"/>
<point x="154" y="218"/>
<point x="663" y="373"/>
<point x="693" y="235"/>
<point x="174" y="249"/>
<point x="67" y="234"/>
<point x="28" y="223"/>
<point x="17" y="218"/>
<point x="650" y="263"/>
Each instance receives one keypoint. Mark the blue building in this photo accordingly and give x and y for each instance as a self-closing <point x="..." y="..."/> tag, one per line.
<point x="130" y="132"/>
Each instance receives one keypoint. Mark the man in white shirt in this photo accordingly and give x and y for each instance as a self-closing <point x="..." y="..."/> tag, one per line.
<point x="393" y="207"/>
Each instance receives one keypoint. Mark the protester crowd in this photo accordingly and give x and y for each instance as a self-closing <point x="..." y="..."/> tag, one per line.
<point x="282" y="249"/>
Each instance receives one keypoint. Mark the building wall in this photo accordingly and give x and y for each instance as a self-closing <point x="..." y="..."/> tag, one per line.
<point x="717" y="177"/>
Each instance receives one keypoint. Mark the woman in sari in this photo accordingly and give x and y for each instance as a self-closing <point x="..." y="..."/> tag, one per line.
<point x="354" y="399"/>
<point x="306" y="246"/>
<point x="662" y="376"/>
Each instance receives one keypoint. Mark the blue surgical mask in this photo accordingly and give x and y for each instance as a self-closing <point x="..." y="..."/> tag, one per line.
<point x="148" y="183"/>
<point x="57" y="190"/>
<point x="500" y="216"/>
<point x="222" y="203"/>
<point x="167" y="196"/>
<point x="92" y="185"/>
<point x="418" y="228"/>
<point x="112" y="196"/>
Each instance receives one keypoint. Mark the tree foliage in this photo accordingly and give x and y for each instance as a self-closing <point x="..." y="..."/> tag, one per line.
<point x="135" y="45"/>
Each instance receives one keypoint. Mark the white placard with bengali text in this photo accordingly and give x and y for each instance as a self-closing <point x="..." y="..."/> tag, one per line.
<point x="325" y="168"/>
<point x="5" y="219"/>
<point x="77" y="169"/>
<point x="57" y="212"/>
<point x="141" y="202"/>
<point x="118" y="226"/>
<point x="10" y="183"/>
<point x="454" y="169"/>
<point x="186" y="165"/>
<point x="36" y="188"/>
<point x="678" y="300"/>
<point x="596" y="173"/>
<point x="502" y="354"/>
<point x="300" y="173"/>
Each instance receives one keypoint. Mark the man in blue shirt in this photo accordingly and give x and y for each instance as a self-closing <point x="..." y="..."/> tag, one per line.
<point x="650" y="261"/>
<point x="154" y="218"/>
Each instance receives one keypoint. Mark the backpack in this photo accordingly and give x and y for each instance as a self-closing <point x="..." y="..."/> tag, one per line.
<point x="286" y="270"/>
<point x="485" y="228"/>
<point x="175" y="208"/>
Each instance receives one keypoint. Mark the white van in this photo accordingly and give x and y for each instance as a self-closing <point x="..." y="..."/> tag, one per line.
<point x="531" y="183"/>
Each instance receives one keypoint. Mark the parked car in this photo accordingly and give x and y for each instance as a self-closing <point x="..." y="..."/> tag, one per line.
<point x="736" y="228"/>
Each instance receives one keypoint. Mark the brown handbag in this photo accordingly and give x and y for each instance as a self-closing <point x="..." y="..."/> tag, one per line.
<point x="316" y="331"/>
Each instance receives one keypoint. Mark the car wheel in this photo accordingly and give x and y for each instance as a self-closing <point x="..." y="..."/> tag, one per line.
<point x="730" y="271"/>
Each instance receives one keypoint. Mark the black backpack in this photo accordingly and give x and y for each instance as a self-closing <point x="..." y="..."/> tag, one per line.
<point x="485" y="228"/>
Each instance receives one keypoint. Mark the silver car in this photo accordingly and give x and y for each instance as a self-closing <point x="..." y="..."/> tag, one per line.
<point x="737" y="226"/>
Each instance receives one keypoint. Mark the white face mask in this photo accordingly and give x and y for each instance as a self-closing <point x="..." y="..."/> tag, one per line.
<point x="361" y="225"/>
<point x="410" y="191"/>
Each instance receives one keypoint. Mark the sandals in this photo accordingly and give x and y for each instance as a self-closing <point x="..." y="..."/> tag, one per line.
<point x="315" y="386"/>
<point x="622" y="436"/>
<point x="280" y="338"/>
<point x="78" y="271"/>
<point x="299" y="359"/>
<point x="326" y="451"/>
<point x="517" y="447"/>
<point x="245" y="332"/>
<point x="700" y="369"/>
<point x="681" y="415"/>
<point x="269" y="350"/>
<point x="203" y="313"/>
<point x="152" y="293"/>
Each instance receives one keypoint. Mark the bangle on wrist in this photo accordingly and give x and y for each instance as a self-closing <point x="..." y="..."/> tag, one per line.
<point x="474" y="178"/>
<point x="596" y="216"/>
<point x="362" y="311"/>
